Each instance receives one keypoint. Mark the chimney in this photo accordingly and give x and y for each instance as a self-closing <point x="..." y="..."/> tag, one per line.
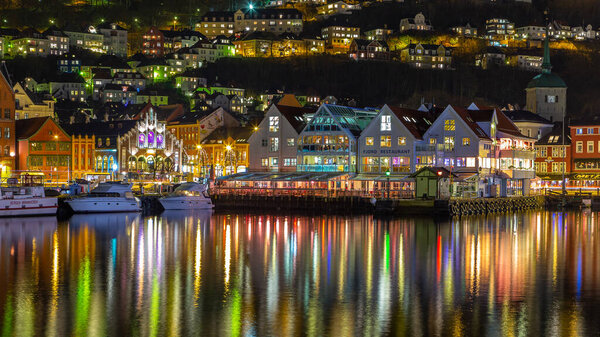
<point x="72" y="119"/>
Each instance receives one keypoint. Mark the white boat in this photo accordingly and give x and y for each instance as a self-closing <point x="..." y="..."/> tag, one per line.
<point x="109" y="197"/>
<point x="26" y="200"/>
<point x="187" y="196"/>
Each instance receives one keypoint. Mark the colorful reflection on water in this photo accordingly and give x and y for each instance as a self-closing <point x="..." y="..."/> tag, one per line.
<point x="534" y="273"/>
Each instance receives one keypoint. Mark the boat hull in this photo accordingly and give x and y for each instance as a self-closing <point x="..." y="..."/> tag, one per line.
<point x="182" y="203"/>
<point x="28" y="207"/>
<point x="103" y="205"/>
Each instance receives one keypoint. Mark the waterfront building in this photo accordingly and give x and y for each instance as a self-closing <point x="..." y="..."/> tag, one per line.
<point x="29" y="104"/>
<point x="546" y="93"/>
<point x="193" y="127"/>
<point x="148" y="150"/>
<point x="514" y="153"/>
<point x="225" y="151"/>
<point x="7" y="126"/>
<point x="530" y="124"/>
<point x="329" y="142"/>
<point x="95" y="148"/>
<point x="44" y="148"/>
<point x="427" y="56"/>
<point x="552" y="156"/>
<point x="456" y="141"/>
<point x="361" y="49"/>
<point x="585" y="140"/>
<point x="389" y="143"/>
<point x="417" y="23"/>
<point x="273" y="144"/>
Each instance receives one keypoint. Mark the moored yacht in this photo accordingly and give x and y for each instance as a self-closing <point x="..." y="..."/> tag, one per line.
<point x="108" y="197"/>
<point x="26" y="200"/>
<point x="187" y="196"/>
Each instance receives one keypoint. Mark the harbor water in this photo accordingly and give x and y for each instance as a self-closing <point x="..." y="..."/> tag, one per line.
<point x="203" y="274"/>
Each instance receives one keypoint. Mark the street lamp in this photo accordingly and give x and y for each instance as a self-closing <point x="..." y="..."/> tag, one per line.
<point x="387" y="174"/>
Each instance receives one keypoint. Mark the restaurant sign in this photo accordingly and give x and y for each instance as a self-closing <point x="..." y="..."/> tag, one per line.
<point x="586" y="176"/>
<point x="587" y="164"/>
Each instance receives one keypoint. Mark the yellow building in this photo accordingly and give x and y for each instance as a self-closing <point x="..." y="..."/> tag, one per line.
<point x="83" y="152"/>
<point x="225" y="151"/>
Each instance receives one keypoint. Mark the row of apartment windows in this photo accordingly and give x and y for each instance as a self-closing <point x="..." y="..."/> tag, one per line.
<point x="590" y="131"/>
<point x="557" y="167"/>
<point x="589" y="146"/>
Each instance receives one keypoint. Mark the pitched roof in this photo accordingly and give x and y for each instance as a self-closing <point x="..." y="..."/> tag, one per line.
<point x="417" y="122"/>
<point x="25" y="128"/>
<point x="466" y="117"/>
<point x="239" y="134"/>
<point x="525" y="116"/>
<point x="554" y="137"/>
<point x="485" y="114"/>
<point x="295" y="115"/>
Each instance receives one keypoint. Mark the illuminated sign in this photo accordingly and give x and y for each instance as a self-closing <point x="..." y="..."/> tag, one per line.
<point x="586" y="176"/>
<point x="587" y="164"/>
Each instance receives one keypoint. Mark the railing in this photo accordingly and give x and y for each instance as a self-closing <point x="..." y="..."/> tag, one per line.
<point x="312" y="192"/>
<point x="322" y="168"/>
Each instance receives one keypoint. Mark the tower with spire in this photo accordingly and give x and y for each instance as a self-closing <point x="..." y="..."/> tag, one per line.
<point x="547" y="92"/>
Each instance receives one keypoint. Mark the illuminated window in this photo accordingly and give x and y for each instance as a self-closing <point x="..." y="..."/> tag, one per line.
<point x="449" y="143"/>
<point x="401" y="141"/>
<point x="466" y="141"/>
<point x="274" y="124"/>
<point x="274" y="144"/>
<point x="590" y="146"/>
<point x="290" y="141"/>
<point x="386" y="141"/>
<point x="449" y="125"/>
<point x="264" y="162"/>
<point x="386" y="123"/>
<point x="579" y="131"/>
<point x="579" y="147"/>
<point x="369" y="141"/>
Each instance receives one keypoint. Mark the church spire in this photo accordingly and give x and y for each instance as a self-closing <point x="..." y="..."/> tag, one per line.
<point x="546" y="65"/>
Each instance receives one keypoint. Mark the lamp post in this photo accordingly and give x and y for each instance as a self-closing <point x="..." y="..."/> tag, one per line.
<point x="198" y="149"/>
<point x="387" y="174"/>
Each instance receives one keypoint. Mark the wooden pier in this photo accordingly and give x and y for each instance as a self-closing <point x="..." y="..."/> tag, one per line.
<point x="470" y="206"/>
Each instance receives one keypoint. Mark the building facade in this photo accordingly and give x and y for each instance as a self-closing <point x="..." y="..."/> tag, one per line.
<point x="7" y="127"/>
<point x="273" y="144"/>
<point x="329" y="142"/>
<point x="44" y="148"/>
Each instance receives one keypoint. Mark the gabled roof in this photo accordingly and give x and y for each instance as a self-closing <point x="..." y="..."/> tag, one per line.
<point x="417" y="122"/>
<point x="295" y="115"/>
<point x="25" y="128"/>
<point x="238" y="134"/>
<point x="485" y="114"/>
<point x="466" y="117"/>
